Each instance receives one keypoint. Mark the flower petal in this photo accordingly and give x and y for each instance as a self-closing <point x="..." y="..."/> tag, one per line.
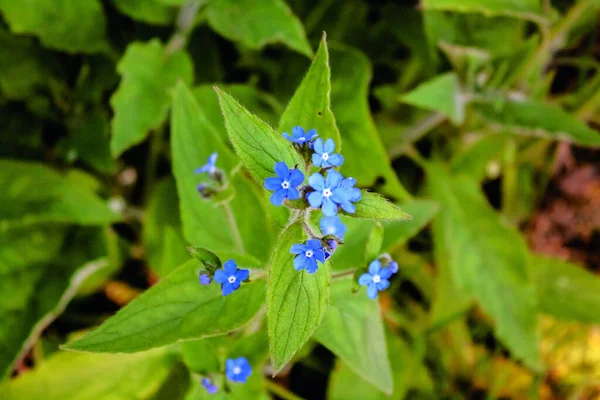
<point x="340" y="195"/>
<point x="293" y="193"/>
<point x="287" y="136"/>
<point x="281" y="170"/>
<point x="311" y="266"/>
<point x="230" y="267"/>
<point x="372" y="290"/>
<point x="383" y="284"/>
<point x="365" y="279"/>
<point x="298" y="249"/>
<point x="348" y="182"/>
<point x="212" y="159"/>
<point x="334" y="179"/>
<point x="319" y="255"/>
<point x="318" y="146"/>
<point x="385" y="273"/>
<point x="202" y="169"/>
<point x="354" y="195"/>
<point x="278" y="197"/>
<point x="227" y="289"/>
<point x="311" y="134"/>
<point x="295" y="177"/>
<point x="298" y="132"/>
<point x="220" y="276"/>
<point x="349" y="207"/>
<point x="336" y="160"/>
<point x="242" y="275"/>
<point x="300" y="262"/>
<point x="317" y="182"/>
<point x="315" y="199"/>
<point x="317" y="160"/>
<point x="313" y="244"/>
<point x="329" y="146"/>
<point x="273" y="183"/>
<point x="375" y="267"/>
<point x="329" y="207"/>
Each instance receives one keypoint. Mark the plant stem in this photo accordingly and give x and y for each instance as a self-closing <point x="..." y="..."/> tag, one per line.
<point x="280" y="391"/>
<point x="234" y="227"/>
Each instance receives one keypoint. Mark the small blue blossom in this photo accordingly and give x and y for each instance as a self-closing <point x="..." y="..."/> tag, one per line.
<point x="210" y="165"/>
<point x="204" y="279"/>
<point x="329" y="251"/>
<point x="353" y="195"/>
<point x="209" y="386"/>
<point x="328" y="193"/>
<point x="332" y="226"/>
<point x="230" y="277"/>
<point x="238" y="370"/>
<point x="299" y="137"/>
<point x="376" y="279"/>
<point x="324" y="156"/>
<point x="307" y="255"/>
<point x="285" y="184"/>
<point x="393" y="267"/>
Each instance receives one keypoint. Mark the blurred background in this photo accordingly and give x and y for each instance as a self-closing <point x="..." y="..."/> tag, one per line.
<point x="485" y="111"/>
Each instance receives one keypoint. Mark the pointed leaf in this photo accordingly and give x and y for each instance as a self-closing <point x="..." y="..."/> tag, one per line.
<point x="353" y="330"/>
<point x="310" y="107"/>
<point x="177" y="308"/>
<point x="527" y="9"/>
<point x="375" y="206"/>
<point x="255" y="142"/>
<point x="296" y="300"/>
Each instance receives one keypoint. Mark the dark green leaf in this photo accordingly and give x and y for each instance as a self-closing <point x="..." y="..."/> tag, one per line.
<point x="353" y="330"/>
<point x="296" y="300"/>
<point x="529" y="9"/>
<point x="176" y="309"/>
<point x="142" y="100"/>
<point x="149" y="11"/>
<point x="375" y="206"/>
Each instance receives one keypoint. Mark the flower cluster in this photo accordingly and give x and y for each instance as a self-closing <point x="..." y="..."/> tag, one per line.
<point x="229" y="277"/>
<point x="377" y="279"/>
<point x="237" y="370"/>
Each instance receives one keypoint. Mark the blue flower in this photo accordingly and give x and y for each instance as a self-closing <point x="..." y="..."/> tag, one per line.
<point x="299" y="137"/>
<point x="284" y="184"/>
<point x="323" y="156"/>
<point x="238" y="370"/>
<point x="353" y="195"/>
<point x="208" y="385"/>
<point x="332" y="226"/>
<point x="204" y="279"/>
<point x="328" y="192"/>
<point x="376" y="279"/>
<point x="230" y="277"/>
<point x="393" y="266"/>
<point x="210" y="165"/>
<point x="332" y="246"/>
<point x="307" y="255"/>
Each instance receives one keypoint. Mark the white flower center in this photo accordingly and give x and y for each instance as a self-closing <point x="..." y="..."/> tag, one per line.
<point x="212" y="170"/>
<point x="326" y="192"/>
<point x="231" y="279"/>
<point x="325" y="156"/>
<point x="376" y="279"/>
<point x="330" y="230"/>
<point x="285" y="184"/>
<point x="237" y="370"/>
<point x="302" y="139"/>
<point x="309" y="253"/>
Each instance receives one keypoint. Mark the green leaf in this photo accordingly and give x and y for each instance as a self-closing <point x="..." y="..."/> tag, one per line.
<point x="487" y="260"/>
<point x="149" y="11"/>
<point x="296" y="300"/>
<point x="69" y="375"/>
<point x="310" y="107"/>
<point x="531" y="118"/>
<point x="142" y="100"/>
<point x="255" y="24"/>
<point x="442" y="93"/>
<point x="33" y="193"/>
<point x="90" y="140"/>
<point x="71" y="26"/>
<point x="475" y="159"/>
<point x="176" y="309"/>
<point x="240" y="224"/>
<point x="565" y="290"/>
<point x="373" y="248"/>
<point x="256" y="143"/>
<point x="397" y="234"/>
<point x="528" y="9"/>
<point x="365" y="156"/>
<point x="375" y="206"/>
<point x="353" y="330"/>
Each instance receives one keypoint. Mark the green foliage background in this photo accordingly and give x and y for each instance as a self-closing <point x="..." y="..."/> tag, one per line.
<point x="107" y="107"/>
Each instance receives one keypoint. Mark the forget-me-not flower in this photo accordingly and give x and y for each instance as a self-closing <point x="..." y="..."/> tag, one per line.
<point x="299" y="136"/>
<point x="324" y="156"/>
<point x="328" y="193"/>
<point x="332" y="226"/>
<point x="307" y="255"/>
<point x="284" y="185"/>
<point x="210" y="166"/>
<point x="230" y="277"/>
<point x="376" y="279"/>
<point x="238" y="369"/>
<point x="209" y="386"/>
<point x="204" y="279"/>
